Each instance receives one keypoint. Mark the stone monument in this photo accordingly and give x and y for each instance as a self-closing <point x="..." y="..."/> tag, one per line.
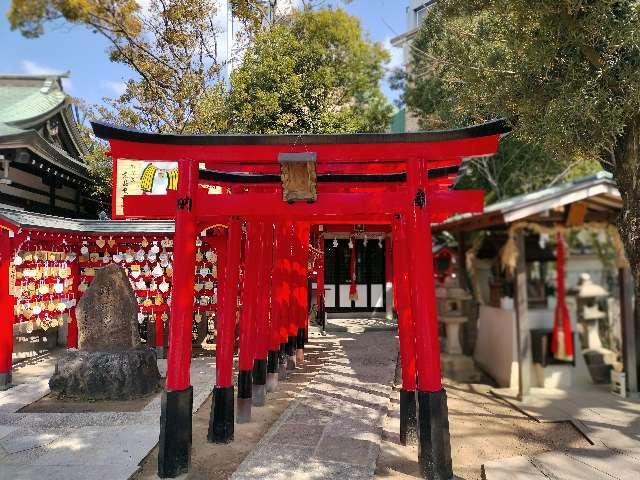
<point x="110" y="363"/>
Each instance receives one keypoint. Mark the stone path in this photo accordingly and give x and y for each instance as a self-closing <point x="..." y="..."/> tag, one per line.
<point x="333" y="429"/>
<point x="83" y="446"/>
<point x="610" y="422"/>
<point x="359" y="325"/>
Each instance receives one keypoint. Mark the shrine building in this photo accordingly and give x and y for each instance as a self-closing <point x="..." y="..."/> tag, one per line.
<point x="41" y="147"/>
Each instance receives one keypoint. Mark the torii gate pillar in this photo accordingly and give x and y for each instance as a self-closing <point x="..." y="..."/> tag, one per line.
<point x="174" y="448"/>
<point x="6" y="311"/>
<point x="402" y="301"/>
<point x="434" y="445"/>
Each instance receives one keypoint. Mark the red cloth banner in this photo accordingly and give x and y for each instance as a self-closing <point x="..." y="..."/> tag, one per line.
<point x="353" y="289"/>
<point x="562" y="336"/>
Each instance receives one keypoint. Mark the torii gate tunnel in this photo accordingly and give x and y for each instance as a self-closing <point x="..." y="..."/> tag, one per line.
<point x="279" y="186"/>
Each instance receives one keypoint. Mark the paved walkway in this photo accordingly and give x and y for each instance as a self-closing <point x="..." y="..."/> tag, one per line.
<point x="83" y="446"/>
<point x="610" y="422"/>
<point x="333" y="429"/>
<point x="360" y="325"/>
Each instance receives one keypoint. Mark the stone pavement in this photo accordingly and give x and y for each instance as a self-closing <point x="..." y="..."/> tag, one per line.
<point x="333" y="429"/>
<point x="609" y="422"/>
<point x="359" y="325"/>
<point x="83" y="446"/>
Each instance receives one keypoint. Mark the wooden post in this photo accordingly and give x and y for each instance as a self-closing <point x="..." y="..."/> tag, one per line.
<point x="389" y="273"/>
<point x="221" y="427"/>
<point x="263" y="296"/>
<point x="406" y="333"/>
<point x="320" y="281"/>
<point x="301" y="274"/>
<point x="6" y="311"/>
<point x="434" y="447"/>
<point x="523" y="334"/>
<point x="174" y="450"/>
<point x="273" y="360"/>
<point x="629" y="332"/>
<point x="290" y="276"/>
<point x="72" y="328"/>
<point x="283" y="261"/>
<point x="248" y="322"/>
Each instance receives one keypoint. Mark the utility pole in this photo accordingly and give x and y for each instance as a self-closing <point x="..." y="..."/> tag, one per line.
<point x="272" y="11"/>
<point x="229" y="39"/>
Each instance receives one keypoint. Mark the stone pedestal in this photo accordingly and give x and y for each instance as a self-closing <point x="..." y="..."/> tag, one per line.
<point x="110" y="363"/>
<point x="106" y="375"/>
<point x="452" y="331"/>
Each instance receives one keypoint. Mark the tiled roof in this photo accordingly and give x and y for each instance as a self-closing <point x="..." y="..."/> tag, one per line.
<point x="8" y="130"/>
<point x="597" y="191"/>
<point x="24" y="219"/>
<point x="24" y="99"/>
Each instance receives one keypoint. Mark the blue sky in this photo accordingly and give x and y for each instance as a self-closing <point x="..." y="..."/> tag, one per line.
<point x="66" y="47"/>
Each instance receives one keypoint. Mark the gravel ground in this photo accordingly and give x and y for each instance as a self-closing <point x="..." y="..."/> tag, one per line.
<point x="482" y="428"/>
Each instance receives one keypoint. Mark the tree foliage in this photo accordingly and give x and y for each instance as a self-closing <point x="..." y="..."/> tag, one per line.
<point x="313" y="72"/>
<point x="566" y="73"/>
<point x="171" y="48"/>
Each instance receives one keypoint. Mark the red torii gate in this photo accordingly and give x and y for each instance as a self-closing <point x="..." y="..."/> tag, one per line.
<point x="398" y="179"/>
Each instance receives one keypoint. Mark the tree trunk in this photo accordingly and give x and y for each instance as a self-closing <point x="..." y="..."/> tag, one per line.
<point x="626" y="169"/>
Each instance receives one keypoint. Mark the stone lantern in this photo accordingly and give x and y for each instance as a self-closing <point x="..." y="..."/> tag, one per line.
<point x="599" y="360"/>
<point x="451" y="298"/>
<point x="589" y="314"/>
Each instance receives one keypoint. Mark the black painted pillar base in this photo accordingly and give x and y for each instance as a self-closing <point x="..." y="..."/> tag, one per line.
<point x="291" y="352"/>
<point x="221" y="418"/>
<point x="259" y="394"/>
<point x="272" y="371"/>
<point x="434" y="444"/>
<point x="282" y="362"/>
<point x="174" y="446"/>
<point x="243" y="402"/>
<point x="300" y="346"/>
<point x="408" y="430"/>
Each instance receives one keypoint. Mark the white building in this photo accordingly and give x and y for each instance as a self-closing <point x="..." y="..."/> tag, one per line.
<point x="416" y="11"/>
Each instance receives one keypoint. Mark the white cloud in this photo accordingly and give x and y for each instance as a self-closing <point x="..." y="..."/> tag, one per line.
<point x="33" y="68"/>
<point x="397" y="55"/>
<point x="116" y="88"/>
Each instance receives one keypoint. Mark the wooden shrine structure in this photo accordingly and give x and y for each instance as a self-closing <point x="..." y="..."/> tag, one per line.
<point x="276" y="187"/>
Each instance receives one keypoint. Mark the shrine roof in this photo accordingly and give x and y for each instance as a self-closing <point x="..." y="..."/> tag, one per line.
<point x="27" y="104"/>
<point x="597" y="192"/>
<point x="26" y="99"/>
<point x="24" y="219"/>
<point x="111" y="132"/>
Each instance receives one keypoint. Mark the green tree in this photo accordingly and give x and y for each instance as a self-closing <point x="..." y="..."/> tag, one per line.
<point x="566" y="73"/>
<point x="314" y="72"/>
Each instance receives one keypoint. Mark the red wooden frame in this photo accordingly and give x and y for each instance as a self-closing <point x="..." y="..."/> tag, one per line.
<point x="375" y="179"/>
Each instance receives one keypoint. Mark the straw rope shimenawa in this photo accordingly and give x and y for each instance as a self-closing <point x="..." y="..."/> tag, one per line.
<point x="509" y="252"/>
